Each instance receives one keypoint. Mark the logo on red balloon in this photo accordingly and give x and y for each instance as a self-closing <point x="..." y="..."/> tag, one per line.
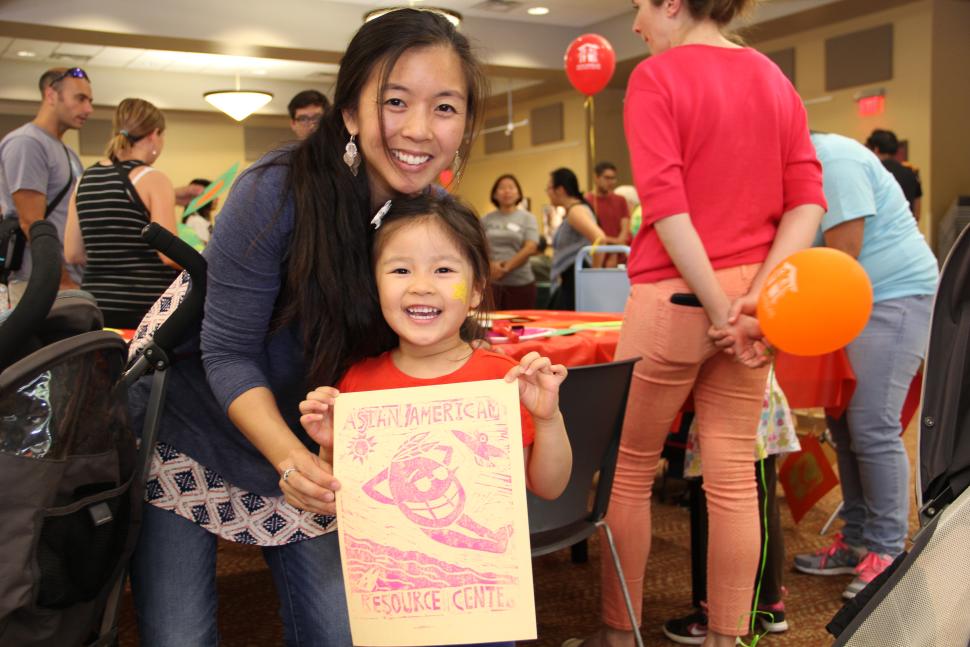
<point x="590" y="62"/>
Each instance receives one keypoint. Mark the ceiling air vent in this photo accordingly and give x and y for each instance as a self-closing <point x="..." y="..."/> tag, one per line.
<point x="497" y="6"/>
<point x="65" y="57"/>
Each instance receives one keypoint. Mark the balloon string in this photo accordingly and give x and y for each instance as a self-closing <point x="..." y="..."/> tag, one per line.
<point x="591" y="110"/>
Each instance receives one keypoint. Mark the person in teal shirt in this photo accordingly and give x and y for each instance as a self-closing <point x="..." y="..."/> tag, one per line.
<point x="869" y="219"/>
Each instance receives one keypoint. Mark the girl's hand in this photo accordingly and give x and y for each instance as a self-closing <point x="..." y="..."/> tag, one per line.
<point x="306" y="480"/>
<point x="743" y="339"/>
<point x="317" y="415"/>
<point x="539" y="381"/>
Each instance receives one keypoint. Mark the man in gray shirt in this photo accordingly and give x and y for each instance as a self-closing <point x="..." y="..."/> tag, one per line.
<point x="38" y="171"/>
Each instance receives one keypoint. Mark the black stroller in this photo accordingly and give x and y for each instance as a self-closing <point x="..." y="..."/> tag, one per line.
<point x="924" y="599"/>
<point x="72" y="471"/>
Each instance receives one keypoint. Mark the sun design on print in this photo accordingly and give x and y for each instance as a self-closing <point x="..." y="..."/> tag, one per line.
<point x="361" y="446"/>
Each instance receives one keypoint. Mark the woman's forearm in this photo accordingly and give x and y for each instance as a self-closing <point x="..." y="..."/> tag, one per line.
<point x="796" y="230"/>
<point x="684" y="246"/>
<point x="521" y="257"/>
<point x="256" y="414"/>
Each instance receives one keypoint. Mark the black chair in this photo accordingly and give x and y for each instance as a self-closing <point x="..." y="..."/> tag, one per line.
<point x="593" y="403"/>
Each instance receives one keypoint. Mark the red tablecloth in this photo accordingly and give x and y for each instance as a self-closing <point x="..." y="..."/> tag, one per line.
<point x="578" y="349"/>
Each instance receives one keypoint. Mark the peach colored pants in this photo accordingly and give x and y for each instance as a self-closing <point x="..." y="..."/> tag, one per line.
<point x="679" y="357"/>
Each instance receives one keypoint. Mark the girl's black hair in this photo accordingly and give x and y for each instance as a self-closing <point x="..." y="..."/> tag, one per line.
<point x="565" y="178"/>
<point x="464" y="228"/>
<point x="328" y="287"/>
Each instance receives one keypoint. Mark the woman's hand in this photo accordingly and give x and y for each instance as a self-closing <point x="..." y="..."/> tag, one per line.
<point x="742" y="338"/>
<point x="497" y="270"/>
<point x="306" y="480"/>
<point x="539" y="381"/>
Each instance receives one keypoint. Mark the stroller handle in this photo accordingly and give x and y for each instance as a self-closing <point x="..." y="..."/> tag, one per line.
<point x="171" y="332"/>
<point x="45" y="279"/>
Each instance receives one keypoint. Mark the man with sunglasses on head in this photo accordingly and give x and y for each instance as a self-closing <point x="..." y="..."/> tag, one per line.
<point x="38" y="170"/>
<point x="306" y="110"/>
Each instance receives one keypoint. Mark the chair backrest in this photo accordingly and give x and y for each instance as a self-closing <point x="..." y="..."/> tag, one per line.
<point x="601" y="289"/>
<point x="944" y="444"/>
<point x="593" y="403"/>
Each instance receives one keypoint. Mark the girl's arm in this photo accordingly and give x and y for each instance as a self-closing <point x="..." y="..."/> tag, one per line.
<point x="549" y="462"/>
<point x="158" y="194"/>
<point x="73" y="241"/>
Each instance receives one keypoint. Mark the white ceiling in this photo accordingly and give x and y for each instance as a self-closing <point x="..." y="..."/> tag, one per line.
<point x="504" y="34"/>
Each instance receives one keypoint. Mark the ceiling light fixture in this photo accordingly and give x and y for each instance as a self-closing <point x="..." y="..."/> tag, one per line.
<point x="453" y="16"/>
<point x="26" y="53"/>
<point x="238" y="103"/>
<point x="538" y="11"/>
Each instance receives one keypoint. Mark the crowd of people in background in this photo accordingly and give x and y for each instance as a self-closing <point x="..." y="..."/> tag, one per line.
<point x="281" y="325"/>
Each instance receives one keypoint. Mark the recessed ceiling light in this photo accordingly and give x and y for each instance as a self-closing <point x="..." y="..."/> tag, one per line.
<point x="26" y="53"/>
<point x="259" y="72"/>
<point x="538" y="11"/>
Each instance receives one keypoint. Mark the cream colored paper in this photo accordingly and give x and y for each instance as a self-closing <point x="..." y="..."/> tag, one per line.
<point x="434" y="531"/>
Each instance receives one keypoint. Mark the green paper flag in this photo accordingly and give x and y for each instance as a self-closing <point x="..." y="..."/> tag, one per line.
<point x="211" y="192"/>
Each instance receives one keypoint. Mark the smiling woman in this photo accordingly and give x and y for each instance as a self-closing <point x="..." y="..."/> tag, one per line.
<point x="291" y="302"/>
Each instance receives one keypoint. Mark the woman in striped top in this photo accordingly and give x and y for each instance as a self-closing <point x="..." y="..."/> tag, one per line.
<point x="114" y="200"/>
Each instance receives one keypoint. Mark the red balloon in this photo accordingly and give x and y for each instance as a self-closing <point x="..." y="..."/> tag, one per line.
<point x="590" y="62"/>
<point x="445" y="177"/>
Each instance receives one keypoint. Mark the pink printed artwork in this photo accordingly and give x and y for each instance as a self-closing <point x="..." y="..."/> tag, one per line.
<point x="432" y="517"/>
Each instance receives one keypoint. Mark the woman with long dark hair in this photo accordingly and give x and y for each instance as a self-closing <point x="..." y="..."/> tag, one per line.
<point x="578" y="229"/>
<point x="291" y="303"/>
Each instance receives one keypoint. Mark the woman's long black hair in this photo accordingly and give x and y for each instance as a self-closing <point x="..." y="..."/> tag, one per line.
<point x="329" y="289"/>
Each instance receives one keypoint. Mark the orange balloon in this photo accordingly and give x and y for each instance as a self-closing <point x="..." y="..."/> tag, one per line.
<point x="814" y="302"/>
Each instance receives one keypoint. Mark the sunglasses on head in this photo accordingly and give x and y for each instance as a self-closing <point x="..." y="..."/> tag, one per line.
<point x="74" y="72"/>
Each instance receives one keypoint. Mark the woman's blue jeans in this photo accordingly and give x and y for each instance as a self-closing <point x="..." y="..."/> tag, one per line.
<point x="873" y="467"/>
<point x="173" y="576"/>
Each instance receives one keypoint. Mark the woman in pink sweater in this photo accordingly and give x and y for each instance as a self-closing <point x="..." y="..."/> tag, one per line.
<point x="730" y="185"/>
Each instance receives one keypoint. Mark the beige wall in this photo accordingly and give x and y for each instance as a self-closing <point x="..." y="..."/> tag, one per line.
<point x="530" y="164"/>
<point x="950" y="159"/>
<point x="908" y="93"/>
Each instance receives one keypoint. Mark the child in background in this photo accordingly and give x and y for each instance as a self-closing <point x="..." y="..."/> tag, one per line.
<point x="431" y="264"/>
<point x="196" y="228"/>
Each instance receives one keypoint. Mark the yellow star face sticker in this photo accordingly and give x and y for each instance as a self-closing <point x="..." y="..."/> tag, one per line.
<point x="461" y="291"/>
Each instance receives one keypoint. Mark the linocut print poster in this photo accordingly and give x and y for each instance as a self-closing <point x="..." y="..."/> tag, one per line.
<point x="432" y="519"/>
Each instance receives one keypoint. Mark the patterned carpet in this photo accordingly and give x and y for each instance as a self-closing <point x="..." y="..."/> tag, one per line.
<point x="567" y="594"/>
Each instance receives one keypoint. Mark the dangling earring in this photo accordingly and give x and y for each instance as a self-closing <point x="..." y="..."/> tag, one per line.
<point x="456" y="168"/>
<point x="351" y="157"/>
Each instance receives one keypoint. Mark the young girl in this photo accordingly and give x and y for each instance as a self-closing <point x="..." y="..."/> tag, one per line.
<point x="431" y="265"/>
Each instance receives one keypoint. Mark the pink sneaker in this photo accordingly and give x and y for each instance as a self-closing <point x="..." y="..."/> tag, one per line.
<point x="868" y="569"/>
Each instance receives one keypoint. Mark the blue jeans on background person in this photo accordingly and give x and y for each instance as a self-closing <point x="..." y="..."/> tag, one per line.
<point x="173" y="576"/>
<point x="873" y="466"/>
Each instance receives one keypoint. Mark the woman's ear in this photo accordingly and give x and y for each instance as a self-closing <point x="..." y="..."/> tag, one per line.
<point x="350" y="121"/>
